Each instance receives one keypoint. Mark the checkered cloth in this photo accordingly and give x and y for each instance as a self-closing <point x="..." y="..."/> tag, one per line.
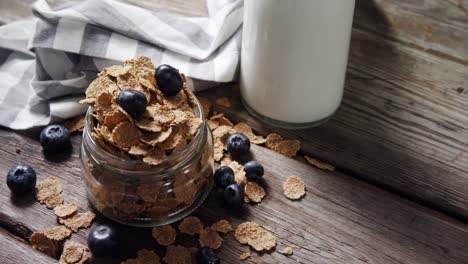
<point x="46" y="62"/>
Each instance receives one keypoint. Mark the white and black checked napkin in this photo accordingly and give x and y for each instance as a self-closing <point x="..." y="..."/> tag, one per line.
<point x="46" y="62"/>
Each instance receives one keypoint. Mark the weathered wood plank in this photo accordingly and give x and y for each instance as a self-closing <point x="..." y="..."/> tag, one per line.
<point x="438" y="27"/>
<point x="14" y="251"/>
<point x="340" y="219"/>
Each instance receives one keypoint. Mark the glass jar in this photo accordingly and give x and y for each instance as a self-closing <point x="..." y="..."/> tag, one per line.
<point x="137" y="194"/>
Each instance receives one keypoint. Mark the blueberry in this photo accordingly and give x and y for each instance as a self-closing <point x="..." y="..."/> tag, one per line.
<point x="133" y="102"/>
<point x="224" y="176"/>
<point x="169" y="80"/>
<point x="253" y="170"/>
<point x="55" y="138"/>
<point x="102" y="241"/>
<point x="234" y="195"/>
<point x="207" y="255"/>
<point x="238" y="144"/>
<point x="21" y="179"/>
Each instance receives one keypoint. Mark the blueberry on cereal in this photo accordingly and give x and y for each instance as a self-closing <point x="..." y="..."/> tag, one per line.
<point x="238" y="144"/>
<point x="55" y="138"/>
<point x="224" y="176"/>
<point x="21" y="179"/>
<point x="169" y="80"/>
<point x="133" y="102"/>
<point x="207" y="255"/>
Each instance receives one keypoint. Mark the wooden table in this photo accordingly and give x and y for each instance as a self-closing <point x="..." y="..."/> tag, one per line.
<point x="399" y="142"/>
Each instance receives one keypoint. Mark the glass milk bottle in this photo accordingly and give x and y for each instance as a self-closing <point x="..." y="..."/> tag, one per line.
<point x="294" y="57"/>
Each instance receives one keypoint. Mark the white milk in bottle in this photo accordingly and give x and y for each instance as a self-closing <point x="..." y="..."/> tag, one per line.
<point x="294" y="57"/>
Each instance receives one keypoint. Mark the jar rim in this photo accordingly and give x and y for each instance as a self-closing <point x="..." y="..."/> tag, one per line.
<point x="138" y="162"/>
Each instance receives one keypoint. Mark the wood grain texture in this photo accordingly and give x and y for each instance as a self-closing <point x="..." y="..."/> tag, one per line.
<point x="341" y="219"/>
<point x="15" y="251"/>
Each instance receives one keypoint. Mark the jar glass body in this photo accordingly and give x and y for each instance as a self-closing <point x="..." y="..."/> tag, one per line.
<point x="136" y="194"/>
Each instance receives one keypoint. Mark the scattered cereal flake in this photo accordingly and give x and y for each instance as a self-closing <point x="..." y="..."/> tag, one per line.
<point x="49" y="191"/>
<point x="206" y="105"/>
<point x="74" y="253"/>
<point x="180" y="255"/>
<point x="78" y="220"/>
<point x="244" y="256"/>
<point x="257" y="237"/>
<point x="65" y="210"/>
<point x="294" y="188"/>
<point x="164" y="235"/>
<point x="57" y="233"/>
<point x="125" y="135"/>
<point x="218" y="149"/>
<point x="287" y="251"/>
<point x="222" y="226"/>
<point x="145" y="256"/>
<point x="246" y="130"/>
<point x="75" y="124"/>
<point x="191" y="226"/>
<point x="319" y="164"/>
<point x="210" y="238"/>
<point x="223" y="101"/>
<point x="48" y="240"/>
<point x="40" y="242"/>
<point x="288" y="148"/>
<point x="254" y="192"/>
<point x="154" y="157"/>
<point x="239" y="173"/>
<point x="222" y="132"/>
<point x="18" y="150"/>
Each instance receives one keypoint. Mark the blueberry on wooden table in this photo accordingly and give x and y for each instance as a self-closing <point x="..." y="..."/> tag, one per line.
<point x="21" y="179"/>
<point x="102" y="241"/>
<point x="169" y="80"/>
<point x="207" y="255"/>
<point x="224" y="176"/>
<point x="238" y="144"/>
<point x="253" y="170"/>
<point x="55" y="138"/>
<point x="133" y="102"/>
<point x="234" y="195"/>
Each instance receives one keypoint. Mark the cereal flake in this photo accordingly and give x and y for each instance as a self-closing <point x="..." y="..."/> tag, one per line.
<point x="244" y="256"/>
<point x="49" y="191"/>
<point x="74" y="253"/>
<point x="287" y="251"/>
<point x="65" y="210"/>
<point x="191" y="225"/>
<point x="288" y="148"/>
<point x="78" y="220"/>
<point x="319" y="164"/>
<point x="252" y="234"/>
<point x="176" y="254"/>
<point x="164" y="235"/>
<point x="222" y="226"/>
<point x="210" y="238"/>
<point x="294" y="188"/>
<point x="254" y="192"/>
